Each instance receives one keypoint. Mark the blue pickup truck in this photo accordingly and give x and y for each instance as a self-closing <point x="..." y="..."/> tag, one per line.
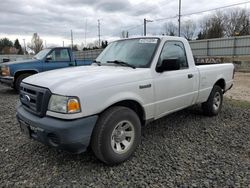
<point x="12" y="73"/>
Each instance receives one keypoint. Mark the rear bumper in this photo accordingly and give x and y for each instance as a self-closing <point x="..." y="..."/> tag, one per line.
<point x="7" y="80"/>
<point x="70" y="135"/>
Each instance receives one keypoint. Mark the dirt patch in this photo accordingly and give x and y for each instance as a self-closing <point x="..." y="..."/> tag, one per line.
<point x="241" y="88"/>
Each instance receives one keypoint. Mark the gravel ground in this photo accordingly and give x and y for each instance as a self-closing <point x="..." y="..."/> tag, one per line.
<point x="185" y="149"/>
<point x="241" y="88"/>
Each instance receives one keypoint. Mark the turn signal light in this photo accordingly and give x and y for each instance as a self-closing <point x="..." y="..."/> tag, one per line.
<point x="73" y="106"/>
<point x="5" y="71"/>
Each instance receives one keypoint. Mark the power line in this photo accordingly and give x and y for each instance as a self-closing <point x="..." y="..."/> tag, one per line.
<point x="199" y="12"/>
<point x="134" y="27"/>
<point x="167" y="18"/>
<point x="188" y="14"/>
<point x="130" y="28"/>
<point x="218" y="8"/>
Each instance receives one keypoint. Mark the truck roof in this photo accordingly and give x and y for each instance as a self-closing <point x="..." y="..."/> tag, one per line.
<point x="57" y="47"/>
<point x="161" y="37"/>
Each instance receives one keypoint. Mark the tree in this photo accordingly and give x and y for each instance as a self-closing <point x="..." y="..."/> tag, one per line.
<point x="170" y="29"/>
<point x="104" y="44"/>
<point x="5" y="44"/>
<point x="124" y="34"/>
<point x="201" y="36"/>
<point x="188" y="29"/>
<point x="18" y="46"/>
<point x="212" y="27"/>
<point x="237" y="22"/>
<point x="75" y="48"/>
<point x="216" y="27"/>
<point x="93" y="45"/>
<point x="36" y="43"/>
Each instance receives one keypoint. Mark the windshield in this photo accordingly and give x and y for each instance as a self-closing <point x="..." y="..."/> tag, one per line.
<point x="41" y="54"/>
<point x="136" y="52"/>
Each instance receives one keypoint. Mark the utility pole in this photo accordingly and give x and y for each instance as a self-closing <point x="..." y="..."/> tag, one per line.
<point x="24" y="46"/>
<point x="71" y="39"/>
<point x="63" y="43"/>
<point x="179" y="19"/>
<point x="99" y="32"/>
<point x="86" y="22"/>
<point x="145" y="25"/>
<point x="45" y="43"/>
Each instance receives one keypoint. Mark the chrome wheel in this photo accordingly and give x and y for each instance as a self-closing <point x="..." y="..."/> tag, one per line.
<point x="216" y="101"/>
<point x="122" y="137"/>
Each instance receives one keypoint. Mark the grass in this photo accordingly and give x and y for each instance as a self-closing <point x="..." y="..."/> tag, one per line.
<point x="238" y="103"/>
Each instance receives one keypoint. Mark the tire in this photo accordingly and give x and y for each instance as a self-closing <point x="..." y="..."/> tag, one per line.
<point x="116" y="135"/>
<point x="214" y="103"/>
<point x="18" y="81"/>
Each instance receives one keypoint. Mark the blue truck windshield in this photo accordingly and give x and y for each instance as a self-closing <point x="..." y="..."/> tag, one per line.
<point x="42" y="54"/>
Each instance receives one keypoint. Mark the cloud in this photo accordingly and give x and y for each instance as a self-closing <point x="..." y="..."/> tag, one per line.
<point x="114" y="6"/>
<point x="55" y="18"/>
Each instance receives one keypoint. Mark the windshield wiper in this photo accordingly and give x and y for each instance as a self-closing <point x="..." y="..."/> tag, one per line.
<point x="97" y="62"/>
<point x="122" y="63"/>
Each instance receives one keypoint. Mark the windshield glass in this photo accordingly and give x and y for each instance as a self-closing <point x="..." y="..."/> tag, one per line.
<point x="137" y="52"/>
<point x="41" y="54"/>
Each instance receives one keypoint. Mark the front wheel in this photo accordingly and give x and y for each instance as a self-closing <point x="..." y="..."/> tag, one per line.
<point x="18" y="81"/>
<point x="116" y="135"/>
<point x="214" y="103"/>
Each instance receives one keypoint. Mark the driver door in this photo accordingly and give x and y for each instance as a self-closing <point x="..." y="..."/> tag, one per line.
<point x="57" y="58"/>
<point x="175" y="89"/>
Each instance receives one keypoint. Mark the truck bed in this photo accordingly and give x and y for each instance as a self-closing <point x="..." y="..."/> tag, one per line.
<point x="197" y="64"/>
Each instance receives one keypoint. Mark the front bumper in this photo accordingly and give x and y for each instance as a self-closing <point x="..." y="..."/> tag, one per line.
<point x="7" y="80"/>
<point x="70" y="135"/>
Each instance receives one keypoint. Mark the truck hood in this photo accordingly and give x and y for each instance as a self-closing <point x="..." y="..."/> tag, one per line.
<point x="66" y="81"/>
<point x="19" y="62"/>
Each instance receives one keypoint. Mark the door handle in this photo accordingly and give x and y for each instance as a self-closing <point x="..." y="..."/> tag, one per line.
<point x="190" y="76"/>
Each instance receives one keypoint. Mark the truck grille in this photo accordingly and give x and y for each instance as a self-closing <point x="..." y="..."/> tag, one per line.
<point x="34" y="99"/>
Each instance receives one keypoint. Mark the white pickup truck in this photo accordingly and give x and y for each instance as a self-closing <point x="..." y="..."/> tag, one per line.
<point x="132" y="82"/>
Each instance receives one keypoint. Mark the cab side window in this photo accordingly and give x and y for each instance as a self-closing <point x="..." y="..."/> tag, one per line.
<point x="60" y="55"/>
<point x="174" y="50"/>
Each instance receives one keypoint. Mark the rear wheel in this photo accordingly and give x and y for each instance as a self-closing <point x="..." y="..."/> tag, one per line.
<point x="116" y="135"/>
<point x="18" y="81"/>
<point x="214" y="103"/>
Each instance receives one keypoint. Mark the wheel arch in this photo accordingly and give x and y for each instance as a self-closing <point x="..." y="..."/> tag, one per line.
<point x="221" y="82"/>
<point x="18" y="73"/>
<point x="133" y="105"/>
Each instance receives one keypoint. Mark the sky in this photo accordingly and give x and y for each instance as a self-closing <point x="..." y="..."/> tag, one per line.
<point x="53" y="19"/>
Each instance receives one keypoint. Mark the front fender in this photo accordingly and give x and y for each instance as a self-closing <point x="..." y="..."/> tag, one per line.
<point x="26" y="71"/>
<point x="122" y="96"/>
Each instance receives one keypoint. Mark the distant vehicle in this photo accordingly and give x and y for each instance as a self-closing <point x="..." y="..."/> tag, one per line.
<point x="132" y="82"/>
<point x="6" y="60"/>
<point x="12" y="73"/>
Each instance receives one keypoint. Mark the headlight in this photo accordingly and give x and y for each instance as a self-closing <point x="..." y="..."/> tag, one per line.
<point x="5" y="71"/>
<point x="63" y="104"/>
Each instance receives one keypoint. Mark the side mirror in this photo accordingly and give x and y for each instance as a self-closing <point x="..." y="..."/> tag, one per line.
<point x="168" y="65"/>
<point x="48" y="58"/>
